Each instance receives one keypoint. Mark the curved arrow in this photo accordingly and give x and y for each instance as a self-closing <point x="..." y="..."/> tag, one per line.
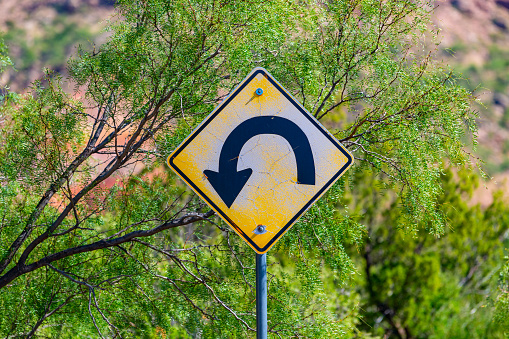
<point x="228" y="182"/>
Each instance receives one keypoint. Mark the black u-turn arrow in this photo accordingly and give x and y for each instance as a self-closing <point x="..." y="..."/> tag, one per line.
<point x="228" y="182"/>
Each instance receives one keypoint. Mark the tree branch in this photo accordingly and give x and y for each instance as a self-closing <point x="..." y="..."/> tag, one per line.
<point x="19" y="269"/>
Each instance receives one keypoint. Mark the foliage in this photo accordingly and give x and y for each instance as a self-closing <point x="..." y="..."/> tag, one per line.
<point x="416" y="286"/>
<point x="5" y="61"/>
<point x="96" y="239"/>
<point x="502" y="300"/>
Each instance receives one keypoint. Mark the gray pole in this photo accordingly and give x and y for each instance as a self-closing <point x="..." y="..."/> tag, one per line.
<point x="261" y="296"/>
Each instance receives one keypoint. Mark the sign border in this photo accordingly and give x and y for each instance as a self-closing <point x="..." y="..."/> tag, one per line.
<point x="214" y="113"/>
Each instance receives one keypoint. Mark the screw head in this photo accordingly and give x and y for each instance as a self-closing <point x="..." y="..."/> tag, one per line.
<point x="260" y="229"/>
<point x="259" y="91"/>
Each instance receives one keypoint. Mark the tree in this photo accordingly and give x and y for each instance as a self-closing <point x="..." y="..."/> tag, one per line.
<point x="502" y="300"/>
<point x="417" y="286"/>
<point x="144" y="257"/>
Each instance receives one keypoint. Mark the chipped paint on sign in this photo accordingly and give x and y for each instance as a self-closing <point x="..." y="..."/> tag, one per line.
<point x="272" y="195"/>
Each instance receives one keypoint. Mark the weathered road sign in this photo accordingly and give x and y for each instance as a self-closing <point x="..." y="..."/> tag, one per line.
<point x="260" y="160"/>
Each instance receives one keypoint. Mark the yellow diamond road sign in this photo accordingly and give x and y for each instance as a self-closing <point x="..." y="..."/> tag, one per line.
<point x="260" y="160"/>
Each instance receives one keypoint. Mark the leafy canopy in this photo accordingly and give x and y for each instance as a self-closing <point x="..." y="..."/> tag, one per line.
<point x="98" y="238"/>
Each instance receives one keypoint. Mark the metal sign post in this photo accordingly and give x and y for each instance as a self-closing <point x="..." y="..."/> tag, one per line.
<point x="261" y="296"/>
<point x="260" y="160"/>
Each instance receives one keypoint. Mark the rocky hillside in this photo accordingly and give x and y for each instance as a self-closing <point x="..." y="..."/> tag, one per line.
<point x="45" y="33"/>
<point x="475" y="41"/>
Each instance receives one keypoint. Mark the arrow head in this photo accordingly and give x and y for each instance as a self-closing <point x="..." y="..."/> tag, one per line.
<point x="228" y="184"/>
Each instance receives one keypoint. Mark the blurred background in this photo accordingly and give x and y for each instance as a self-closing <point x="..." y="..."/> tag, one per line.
<point x="435" y="287"/>
<point x="474" y="42"/>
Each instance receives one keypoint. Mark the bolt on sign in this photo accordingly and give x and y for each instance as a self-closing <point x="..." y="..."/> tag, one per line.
<point x="260" y="160"/>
